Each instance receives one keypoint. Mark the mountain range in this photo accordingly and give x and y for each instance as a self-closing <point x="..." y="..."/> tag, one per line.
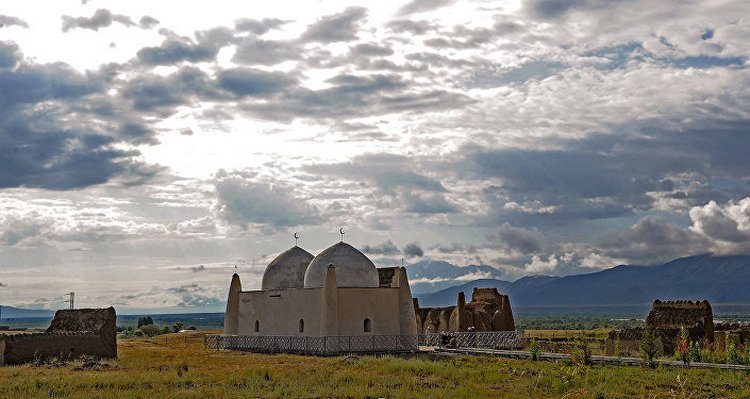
<point x="434" y="275"/>
<point x="9" y="312"/>
<point x="722" y="280"/>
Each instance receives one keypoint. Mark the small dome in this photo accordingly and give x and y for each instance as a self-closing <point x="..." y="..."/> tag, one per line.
<point x="287" y="270"/>
<point x="353" y="268"/>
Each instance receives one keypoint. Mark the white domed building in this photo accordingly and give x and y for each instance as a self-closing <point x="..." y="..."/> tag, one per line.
<point x="338" y="293"/>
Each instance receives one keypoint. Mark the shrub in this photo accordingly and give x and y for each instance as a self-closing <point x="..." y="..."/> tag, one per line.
<point x="534" y="350"/>
<point x="733" y="355"/>
<point x="618" y="348"/>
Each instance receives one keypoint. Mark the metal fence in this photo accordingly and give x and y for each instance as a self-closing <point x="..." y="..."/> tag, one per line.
<point x="475" y="339"/>
<point x="331" y="345"/>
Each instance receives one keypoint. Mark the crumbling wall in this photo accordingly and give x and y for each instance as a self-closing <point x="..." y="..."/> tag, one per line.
<point x="665" y="319"/>
<point x="72" y="334"/>
<point x="487" y="311"/>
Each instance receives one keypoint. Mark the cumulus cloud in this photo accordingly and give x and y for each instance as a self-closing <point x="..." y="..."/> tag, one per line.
<point x="102" y="18"/>
<point x="340" y="27"/>
<point x="413" y="250"/>
<point x="729" y="224"/>
<point x="242" y="201"/>
<point x="7" y="20"/>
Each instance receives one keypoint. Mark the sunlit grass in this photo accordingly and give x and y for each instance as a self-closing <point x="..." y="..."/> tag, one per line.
<point x="182" y="368"/>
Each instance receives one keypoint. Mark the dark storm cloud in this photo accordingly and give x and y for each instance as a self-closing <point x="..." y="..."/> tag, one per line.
<point x="242" y="201"/>
<point x="417" y="6"/>
<point x="102" y="18"/>
<point x="413" y="250"/>
<point x="173" y="51"/>
<point x="7" y="20"/>
<point x="148" y="22"/>
<point x="253" y="82"/>
<point x="9" y="54"/>
<point x="340" y="27"/>
<point x="386" y="248"/>
<point x="254" y="51"/>
<point x="257" y="27"/>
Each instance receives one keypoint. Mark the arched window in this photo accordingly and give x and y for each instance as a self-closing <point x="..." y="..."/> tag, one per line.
<point x="368" y="325"/>
<point x="257" y="326"/>
<point x="301" y="325"/>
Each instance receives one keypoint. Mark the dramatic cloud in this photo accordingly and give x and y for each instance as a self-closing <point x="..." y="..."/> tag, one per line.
<point x="340" y="27"/>
<point x="730" y="223"/>
<point x="102" y="18"/>
<point x="245" y="203"/>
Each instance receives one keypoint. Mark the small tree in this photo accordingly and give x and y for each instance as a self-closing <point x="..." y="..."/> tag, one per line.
<point x="695" y="351"/>
<point x="534" y="350"/>
<point x="177" y="326"/>
<point x="683" y="344"/>
<point x="648" y="347"/>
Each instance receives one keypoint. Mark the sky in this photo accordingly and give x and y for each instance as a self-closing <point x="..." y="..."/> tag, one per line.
<point x="148" y="149"/>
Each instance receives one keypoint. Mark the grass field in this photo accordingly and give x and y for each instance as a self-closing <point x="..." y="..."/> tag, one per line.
<point x="179" y="367"/>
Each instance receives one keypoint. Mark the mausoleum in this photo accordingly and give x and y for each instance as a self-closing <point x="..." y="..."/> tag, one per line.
<point x="338" y="294"/>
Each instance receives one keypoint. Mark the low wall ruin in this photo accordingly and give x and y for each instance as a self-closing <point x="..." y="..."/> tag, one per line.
<point x="72" y="334"/>
<point x="487" y="311"/>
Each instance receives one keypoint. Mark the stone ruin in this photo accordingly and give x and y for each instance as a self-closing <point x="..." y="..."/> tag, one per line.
<point x="665" y="320"/>
<point x="72" y="334"/>
<point x="487" y="311"/>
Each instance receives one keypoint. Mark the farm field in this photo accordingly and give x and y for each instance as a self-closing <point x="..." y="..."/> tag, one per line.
<point x="177" y="366"/>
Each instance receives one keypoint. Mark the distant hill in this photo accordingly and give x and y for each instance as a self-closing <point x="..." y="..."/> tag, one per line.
<point x="434" y="275"/>
<point x="720" y="279"/>
<point x="9" y="312"/>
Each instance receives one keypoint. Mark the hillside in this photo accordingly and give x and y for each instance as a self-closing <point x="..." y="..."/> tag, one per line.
<point x="720" y="279"/>
<point x="434" y="275"/>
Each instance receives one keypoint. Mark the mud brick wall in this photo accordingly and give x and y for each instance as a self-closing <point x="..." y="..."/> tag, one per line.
<point x="72" y="334"/>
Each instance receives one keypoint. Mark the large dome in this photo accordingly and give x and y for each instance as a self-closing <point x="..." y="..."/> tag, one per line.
<point x="287" y="270"/>
<point x="353" y="268"/>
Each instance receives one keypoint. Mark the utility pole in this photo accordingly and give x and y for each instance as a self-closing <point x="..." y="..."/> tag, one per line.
<point x="71" y="301"/>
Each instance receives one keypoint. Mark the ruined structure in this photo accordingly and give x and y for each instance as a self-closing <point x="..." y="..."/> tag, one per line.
<point x="338" y="293"/>
<point x="72" y="334"/>
<point x="665" y="320"/>
<point x="487" y="311"/>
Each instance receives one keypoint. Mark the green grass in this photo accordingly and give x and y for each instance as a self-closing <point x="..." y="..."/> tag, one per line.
<point x="184" y="369"/>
